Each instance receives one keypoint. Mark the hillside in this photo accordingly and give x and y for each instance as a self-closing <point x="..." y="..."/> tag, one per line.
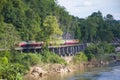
<point x="26" y="21"/>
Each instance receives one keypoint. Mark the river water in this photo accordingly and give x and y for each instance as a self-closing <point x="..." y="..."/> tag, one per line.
<point x="102" y="73"/>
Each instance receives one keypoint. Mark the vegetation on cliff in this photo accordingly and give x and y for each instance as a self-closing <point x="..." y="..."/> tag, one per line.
<point x="42" y="20"/>
<point x="29" y="19"/>
<point x="14" y="65"/>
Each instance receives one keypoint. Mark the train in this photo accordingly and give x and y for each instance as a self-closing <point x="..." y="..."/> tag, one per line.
<point x="51" y="43"/>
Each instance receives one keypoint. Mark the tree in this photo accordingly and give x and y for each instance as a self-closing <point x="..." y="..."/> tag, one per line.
<point x="51" y="27"/>
<point x="8" y="36"/>
<point x="88" y="29"/>
<point x="109" y="17"/>
<point x="105" y="35"/>
<point x="1" y="7"/>
<point x="33" y="22"/>
<point x="81" y="56"/>
<point x="92" y="28"/>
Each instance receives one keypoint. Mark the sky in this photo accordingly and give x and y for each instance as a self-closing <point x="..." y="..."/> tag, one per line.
<point x="84" y="8"/>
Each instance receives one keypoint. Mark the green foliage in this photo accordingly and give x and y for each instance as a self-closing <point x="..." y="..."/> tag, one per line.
<point x="105" y="48"/>
<point x="13" y="65"/>
<point x="96" y="28"/>
<point x="4" y="60"/>
<point x="9" y="70"/>
<point x="12" y="72"/>
<point x="51" y="27"/>
<point x="28" y="17"/>
<point x="40" y="19"/>
<point x="34" y="58"/>
<point x="91" y="49"/>
<point x="8" y="36"/>
<point x="49" y="57"/>
<point x="43" y="20"/>
<point x="26" y="60"/>
<point x="80" y="57"/>
<point x="5" y="53"/>
<point x="97" y="50"/>
<point x="90" y="56"/>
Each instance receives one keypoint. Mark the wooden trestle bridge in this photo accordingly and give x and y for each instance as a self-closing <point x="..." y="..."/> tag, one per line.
<point x="62" y="50"/>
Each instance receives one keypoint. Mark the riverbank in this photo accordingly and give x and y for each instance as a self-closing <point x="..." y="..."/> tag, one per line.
<point x="75" y="63"/>
<point x="42" y="71"/>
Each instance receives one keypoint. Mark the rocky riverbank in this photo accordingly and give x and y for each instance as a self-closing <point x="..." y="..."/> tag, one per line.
<point x="41" y="71"/>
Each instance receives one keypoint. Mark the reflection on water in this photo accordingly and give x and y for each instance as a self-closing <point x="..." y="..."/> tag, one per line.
<point x="106" y="73"/>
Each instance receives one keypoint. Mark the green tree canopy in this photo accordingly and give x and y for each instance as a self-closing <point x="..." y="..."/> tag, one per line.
<point x="51" y="27"/>
<point x="8" y="36"/>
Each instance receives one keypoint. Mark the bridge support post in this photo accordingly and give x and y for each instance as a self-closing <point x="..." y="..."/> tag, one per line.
<point x="79" y="47"/>
<point x="73" y="52"/>
<point x="59" y="52"/>
<point x="21" y="51"/>
<point x="67" y="50"/>
<point x="53" y="50"/>
<point x="62" y="51"/>
<point x="75" y="49"/>
<point x="35" y="50"/>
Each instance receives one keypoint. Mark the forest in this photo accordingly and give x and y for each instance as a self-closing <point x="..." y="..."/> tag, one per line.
<point x="43" y="20"/>
<point x="25" y="20"/>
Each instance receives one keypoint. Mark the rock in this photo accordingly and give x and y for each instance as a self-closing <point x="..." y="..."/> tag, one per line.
<point x="64" y="70"/>
<point x="38" y="72"/>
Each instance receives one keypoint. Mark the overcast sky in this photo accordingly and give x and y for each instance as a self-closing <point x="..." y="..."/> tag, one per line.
<point x="83" y="8"/>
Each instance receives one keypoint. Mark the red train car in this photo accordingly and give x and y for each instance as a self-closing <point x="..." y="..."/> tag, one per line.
<point x="41" y="43"/>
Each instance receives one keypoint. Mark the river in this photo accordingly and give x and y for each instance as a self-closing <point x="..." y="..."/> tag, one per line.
<point x="102" y="73"/>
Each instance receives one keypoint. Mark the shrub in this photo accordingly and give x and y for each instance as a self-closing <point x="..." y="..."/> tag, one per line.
<point x="50" y="57"/>
<point x="6" y="54"/>
<point x="57" y="59"/>
<point x="80" y="57"/>
<point x="1" y="68"/>
<point x="13" y="64"/>
<point x="98" y="50"/>
<point x="4" y="60"/>
<point x="12" y="72"/>
<point x="90" y="56"/>
<point x="27" y="60"/>
<point x="34" y="58"/>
